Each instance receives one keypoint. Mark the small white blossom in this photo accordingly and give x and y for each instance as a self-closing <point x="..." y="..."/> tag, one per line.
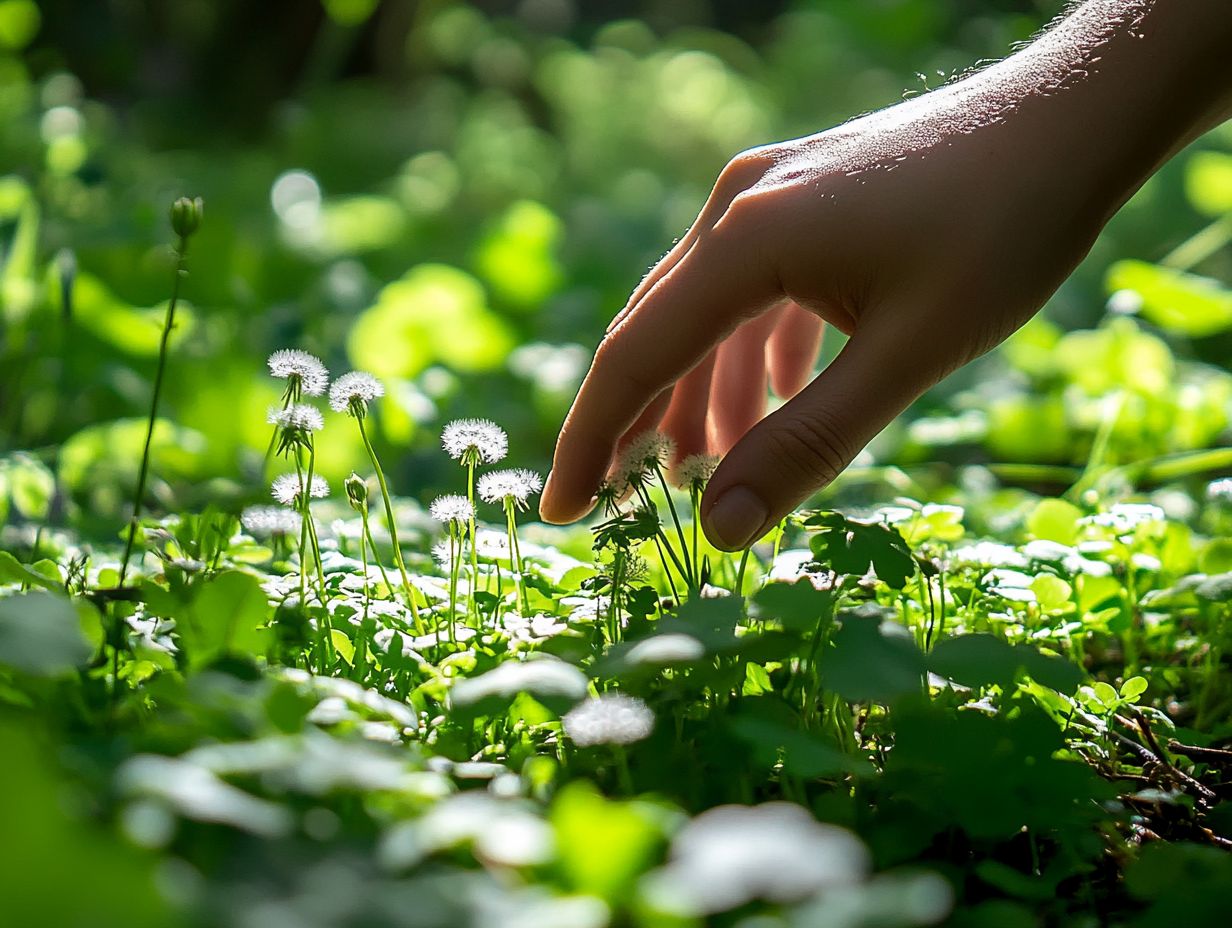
<point x="301" y="416"/>
<point x="732" y="855"/>
<point x="287" y="488"/>
<point x="612" y="718"/>
<point x="693" y="472"/>
<point x="294" y="365"/>
<point x="989" y="554"/>
<point x="516" y="484"/>
<point x="354" y="390"/>
<point x="643" y="454"/>
<point x="267" y="521"/>
<point x="1220" y="491"/>
<point x="476" y="438"/>
<point x="451" y="508"/>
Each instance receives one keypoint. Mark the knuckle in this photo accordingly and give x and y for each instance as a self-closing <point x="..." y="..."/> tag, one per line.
<point x="811" y="450"/>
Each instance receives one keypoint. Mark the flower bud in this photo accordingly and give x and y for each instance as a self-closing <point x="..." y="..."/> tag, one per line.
<point x="186" y="215"/>
<point x="357" y="492"/>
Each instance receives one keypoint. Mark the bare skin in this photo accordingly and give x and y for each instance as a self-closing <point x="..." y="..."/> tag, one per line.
<point x="927" y="232"/>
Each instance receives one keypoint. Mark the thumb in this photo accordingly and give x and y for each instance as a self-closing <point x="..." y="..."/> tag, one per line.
<point x="806" y="444"/>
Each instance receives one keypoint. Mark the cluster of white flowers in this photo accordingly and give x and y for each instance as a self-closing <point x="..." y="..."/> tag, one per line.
<point x="451" y="508"/>
<point x="354" y="391"/>
<point x="612" y="718"/>
<point x="516" y="484"/>
<point x="299" y="416"/>
<point x="291" y="364"/>
<point x="695" y="470"/>
<point x="270" y="521"/>
<point x="532" y="630"/>
<point x="287" y="488"/>
<point x="479" y="439"/>
<point x="1125" y="517"/>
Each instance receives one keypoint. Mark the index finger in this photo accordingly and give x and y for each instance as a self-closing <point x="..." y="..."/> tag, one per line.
<point x="679" y="320"/>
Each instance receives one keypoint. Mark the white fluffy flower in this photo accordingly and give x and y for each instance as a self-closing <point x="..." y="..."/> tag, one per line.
<point x="732" y="855"/>
<point x="517" y="484"/>
<point x="451" y="508"/>
<point x="695" y="470"/>
<point x="646" y="452"/>
<point x="479" y="439"/>
<point x="267" y="521"/>
<point x="354" y="390"/>
<point x="299" y="366"/>
<point x="612" y="718"/>
<point x="301" y="416"/>
<point x="287" y="488"/>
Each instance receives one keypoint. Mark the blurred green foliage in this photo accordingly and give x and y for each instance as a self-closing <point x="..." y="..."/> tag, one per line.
<point x="458" y="197"/>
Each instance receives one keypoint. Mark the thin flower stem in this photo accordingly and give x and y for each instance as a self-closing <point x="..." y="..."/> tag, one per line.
<point x="407" y="589"/>
<point x="696" y="500"/>
<point x="304" y="521"/>
<point x="306" y="497"/>
<point x="744" y="561"/>
<point x="144" y="473"/>
<point x="516" y="551"/>
<point x="661" y="540"/>
<point x="472" y="606"/>
<point x="363" y="559"/>
<point x="690" y="578"/>
<point x="455" y="557"/>
<point x="367" y="530"/>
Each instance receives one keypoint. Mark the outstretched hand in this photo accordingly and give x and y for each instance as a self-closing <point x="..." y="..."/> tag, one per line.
<point x="927" y="232"/>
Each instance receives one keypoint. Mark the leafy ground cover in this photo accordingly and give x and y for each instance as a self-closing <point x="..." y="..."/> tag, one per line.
<point x="995" y="707"/>
<point x="982" y="682"/>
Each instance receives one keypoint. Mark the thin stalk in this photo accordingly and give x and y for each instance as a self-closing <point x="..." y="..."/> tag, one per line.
<point x="472" y="606"/>
<point x="664" y="544"/>
<point x="690" y="578"/>
<point x="744" y="561"/>
<point x="695" y="499"/>
<point x="407" y="589"/>
<point x="367" y="531"/>
<point x="144" y="473"/>
<point x="455" y="557"/>
<point x="516" y="551"/>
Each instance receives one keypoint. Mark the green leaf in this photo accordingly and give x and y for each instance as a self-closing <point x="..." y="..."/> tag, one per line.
<point x="850" y="547"/>
<point x="41" y="634"/>
<point x="227" y="616"/>
<point x="975" y="660"/>
<point x="1132" y="688"/>
<point x="13" y="571"/>
<point x="1055" y="520"/>
<point x="1208" y="182"/>
<point x="872" y="660"/>
<point x="604" y="844"/>
<point x="1183" y="303"/>
<point x="799" y="606"/>
<point x="801" y="753"/>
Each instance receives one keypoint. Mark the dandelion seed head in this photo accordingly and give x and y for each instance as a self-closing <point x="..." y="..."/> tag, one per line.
<point x="287" y="488"/>
<point x="479" y="438"/>
<point x="353" y="391"/>
<point x="451" y="508"/>
<point x="269" y="521"/>
<point x="307" y="369"/>
<point x="645" y="453"/>
<point x="693" y="472"/>
<point x="300" y="416"/>
<point x="612" y="718"/>
<point x="517" y="484"/>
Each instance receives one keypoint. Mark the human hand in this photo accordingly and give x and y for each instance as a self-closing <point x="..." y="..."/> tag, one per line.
<point x="927" y="232"/>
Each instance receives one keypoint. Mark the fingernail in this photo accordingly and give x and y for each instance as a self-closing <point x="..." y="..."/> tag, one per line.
<point x="737" y="516"/>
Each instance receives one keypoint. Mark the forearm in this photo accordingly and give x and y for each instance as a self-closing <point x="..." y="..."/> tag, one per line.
<point x="1117" y="88"/>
